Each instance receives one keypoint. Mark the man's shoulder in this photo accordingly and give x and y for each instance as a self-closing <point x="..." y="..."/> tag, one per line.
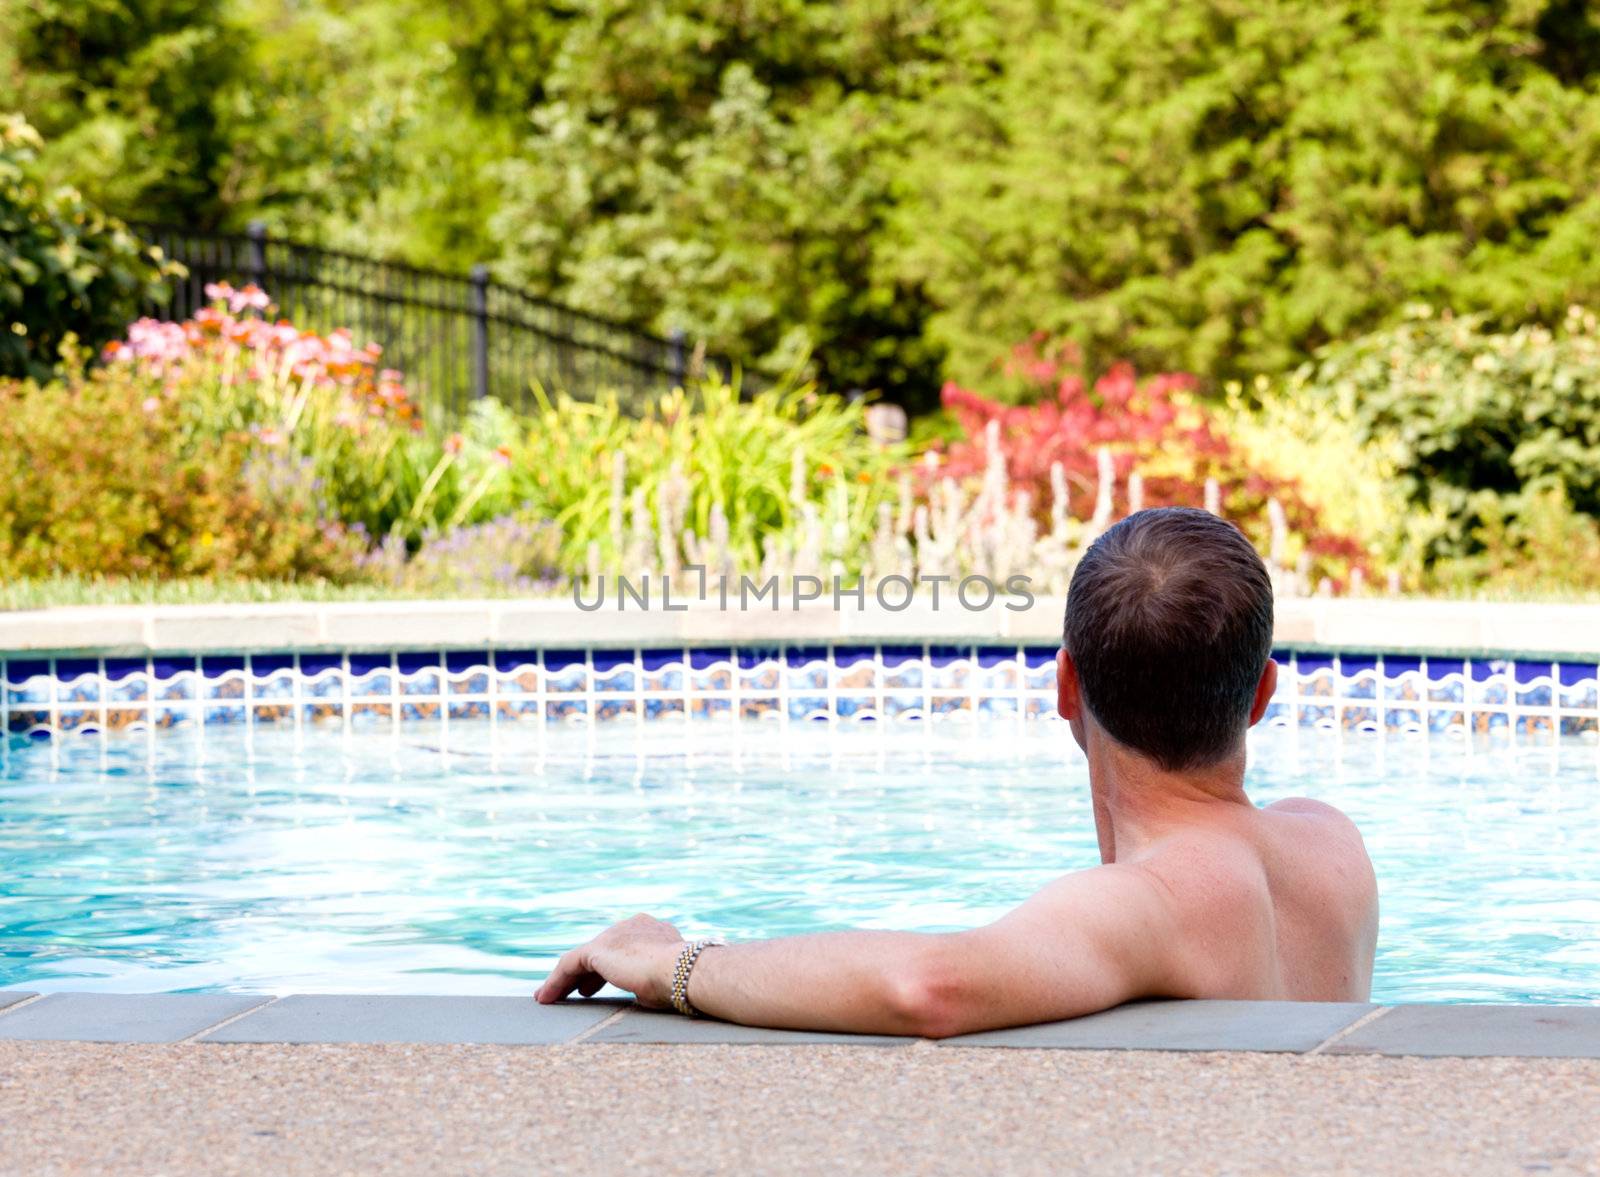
<point x="1338" y="851"/>
<point x="1304" y="805"/>
<point x="1232" y="867"/>
<point x="1320" y="814"/>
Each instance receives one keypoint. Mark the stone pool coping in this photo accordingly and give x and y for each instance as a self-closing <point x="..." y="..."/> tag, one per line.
<point x="1470" y="629"/>
<point x="1467" y="1031"/>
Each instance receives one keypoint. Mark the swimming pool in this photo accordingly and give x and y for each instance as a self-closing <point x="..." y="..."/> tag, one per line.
<point x="462" y="858"/>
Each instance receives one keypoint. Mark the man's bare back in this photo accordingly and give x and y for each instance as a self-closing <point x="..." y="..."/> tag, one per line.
<point x="1199" y="894"/>
<point x="1291" y="891"/>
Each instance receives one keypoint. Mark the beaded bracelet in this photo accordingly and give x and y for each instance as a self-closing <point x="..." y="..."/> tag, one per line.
<point x="680" y="973"/>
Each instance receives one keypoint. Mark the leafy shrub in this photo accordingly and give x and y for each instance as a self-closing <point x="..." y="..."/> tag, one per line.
<point x="1156" y="428"/>
<point x="1318" y="446"/>
<point x="1529" y="544"/>
<point x="701" y="475"/>
<point x="98" y="476"/>
<point x="783" y="470"/>
<point x="65" y="268"/>
<point x="1473" y="420"/>
<point x="322" y="398"/>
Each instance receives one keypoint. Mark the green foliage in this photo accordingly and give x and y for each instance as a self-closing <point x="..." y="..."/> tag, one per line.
<point x="886" y="191"/>
<point x="730" y="170"/>
<point x="1528" y="544"/>
<point x="752" y="479"/>
<point x="321" y="403"/>
<point x="66" y="270"/>
<point x="128" y="94"/>
<point x="1221" y="187"/>
<point x="1314" y="440"/>
<point x="372" y="125"/>
<point x="1473" y="420"/>
<point x="766" y="466"/>
<point x="96" y="478"/>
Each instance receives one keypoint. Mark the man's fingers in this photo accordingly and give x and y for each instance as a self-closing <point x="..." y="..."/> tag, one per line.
<point x="571" y="971"/>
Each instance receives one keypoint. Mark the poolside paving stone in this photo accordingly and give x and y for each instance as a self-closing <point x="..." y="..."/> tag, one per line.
<point x="1526" y="1031"/>
<point x="123" y="1017"/>
<point x="1479" y="1031"/>
<point x="650" y="1026"/>
<point x="339" y="1017"/>
<point x="1187" y="1025"/>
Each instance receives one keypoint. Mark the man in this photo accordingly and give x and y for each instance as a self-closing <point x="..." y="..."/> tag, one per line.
<point x="1166" y="663"/>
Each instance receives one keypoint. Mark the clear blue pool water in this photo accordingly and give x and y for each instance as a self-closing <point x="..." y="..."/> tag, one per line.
<point x="412" y="865"/>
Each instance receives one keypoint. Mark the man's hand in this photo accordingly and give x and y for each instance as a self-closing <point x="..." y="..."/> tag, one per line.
<point x="637" y="955"/>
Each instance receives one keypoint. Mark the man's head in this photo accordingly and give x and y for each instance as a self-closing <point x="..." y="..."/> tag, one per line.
<point x="1169" y="637"/>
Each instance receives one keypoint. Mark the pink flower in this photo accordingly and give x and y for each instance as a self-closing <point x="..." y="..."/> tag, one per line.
<point x="502" y="454"/>
<point x="151" y="404"/>
<point x="453" y="444"/>
<point x="252" y="297"/>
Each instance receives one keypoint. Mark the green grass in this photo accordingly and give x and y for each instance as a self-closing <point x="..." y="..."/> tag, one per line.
<point x="77" y="590"/>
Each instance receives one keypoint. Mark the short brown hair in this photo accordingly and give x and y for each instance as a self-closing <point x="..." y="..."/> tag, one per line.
<point x="1169" y="622"/>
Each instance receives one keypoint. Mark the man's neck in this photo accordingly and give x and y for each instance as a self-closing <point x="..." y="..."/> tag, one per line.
<point x="1137" y="802"/>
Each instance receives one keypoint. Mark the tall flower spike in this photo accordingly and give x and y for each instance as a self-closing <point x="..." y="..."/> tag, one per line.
<point x="1060" y="500"/>
<point x="720" y="556"/>
<point x="1279" y="551"/>
<point x="619" y="478"/>
<point x="637" y="561"/>
<point x="884" y="558"/>
<point x="1102" y="499"/>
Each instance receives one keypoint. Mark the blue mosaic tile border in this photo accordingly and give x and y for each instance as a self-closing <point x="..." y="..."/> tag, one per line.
<point x="1349" y="692"/>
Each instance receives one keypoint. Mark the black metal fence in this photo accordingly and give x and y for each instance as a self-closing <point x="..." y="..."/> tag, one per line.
<point x="455" y="338"/>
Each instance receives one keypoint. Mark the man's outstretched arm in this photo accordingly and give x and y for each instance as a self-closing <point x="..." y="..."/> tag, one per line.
<point x="1086" y="942"/>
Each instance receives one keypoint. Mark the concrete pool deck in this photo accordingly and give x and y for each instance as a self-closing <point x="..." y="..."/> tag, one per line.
<point x="72" y="1107"/>
<point x="1519" y="1031"/>
<point x="235" y="1083"/>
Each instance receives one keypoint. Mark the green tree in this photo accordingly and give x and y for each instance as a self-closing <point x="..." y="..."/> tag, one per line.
<point x="1223" y="185"/>
<point x="126" y="94"/>
<point x="359" y="126"/>
<point x="729" y="169"/>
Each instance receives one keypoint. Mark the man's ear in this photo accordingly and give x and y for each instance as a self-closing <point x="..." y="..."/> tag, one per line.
<point x="1069" y="700"/>
<point x="1264" y="692"/>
